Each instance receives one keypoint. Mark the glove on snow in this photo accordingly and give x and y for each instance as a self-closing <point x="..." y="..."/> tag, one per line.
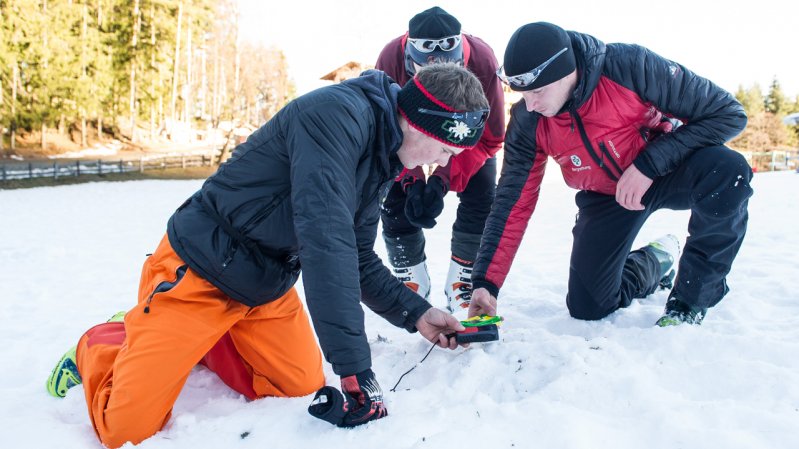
<point x="364" y="401"/>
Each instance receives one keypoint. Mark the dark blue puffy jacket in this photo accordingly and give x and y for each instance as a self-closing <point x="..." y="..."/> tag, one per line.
<point x="303" y="192"/>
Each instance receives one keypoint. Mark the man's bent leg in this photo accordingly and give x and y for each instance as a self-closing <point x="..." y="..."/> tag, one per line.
<point x="271" y="352"/>
<point x="603" y="274"/>
<point x="134" y="372"/>
<point x="714" y="184"/>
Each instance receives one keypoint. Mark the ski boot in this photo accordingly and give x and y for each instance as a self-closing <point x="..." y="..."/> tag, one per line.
<point x="65" y="375"/>
<point x="667" y="250"/>
<point x="415" y="278"/>
<point x="458" y="288"/>
<point x="678" y="312"/>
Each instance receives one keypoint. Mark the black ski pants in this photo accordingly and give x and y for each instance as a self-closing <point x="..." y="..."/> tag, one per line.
<point x="604" y="275"/>
<point x="475" y="204"/>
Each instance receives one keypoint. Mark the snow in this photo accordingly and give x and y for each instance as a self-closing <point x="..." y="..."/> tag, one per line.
<point x="99" y="149"/>
<point x="71" y="258"/>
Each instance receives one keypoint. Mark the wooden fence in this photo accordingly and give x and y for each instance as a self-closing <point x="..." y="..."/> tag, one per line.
<point x="61" y="169"/>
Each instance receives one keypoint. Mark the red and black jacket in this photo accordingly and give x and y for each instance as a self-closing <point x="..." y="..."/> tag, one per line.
<point x="479" y="58"/>
<point x="617" y="116"/>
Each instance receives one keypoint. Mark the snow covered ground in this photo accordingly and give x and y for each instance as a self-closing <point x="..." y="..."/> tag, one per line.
<point x="71" y="258"/>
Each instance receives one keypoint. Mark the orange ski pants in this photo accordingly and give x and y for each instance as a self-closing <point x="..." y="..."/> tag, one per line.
<point x="133" y="372"/>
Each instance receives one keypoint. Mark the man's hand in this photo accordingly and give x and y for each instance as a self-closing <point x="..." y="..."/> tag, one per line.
<point x="631" y="188"/>
<point x="361" y="402"/>
<point x="482" y="303"/>
<point x="436" y="324"/>
<point x="365" y="399"/>
<point x="424" y="201"/>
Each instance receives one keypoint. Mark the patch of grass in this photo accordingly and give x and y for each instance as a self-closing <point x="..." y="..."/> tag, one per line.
<point x="169" y="173"/>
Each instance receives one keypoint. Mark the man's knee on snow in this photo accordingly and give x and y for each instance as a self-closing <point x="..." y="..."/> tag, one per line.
<point x="114" y="435"/>
<point x="589" y="308"/>
<point x="298" y="383"/>
<point x="304" y="385"/>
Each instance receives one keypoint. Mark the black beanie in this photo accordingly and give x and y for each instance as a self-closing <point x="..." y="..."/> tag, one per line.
<point x="450" y="131"/>
<point x="434" y="23"/>
<point x="532" y="45"/>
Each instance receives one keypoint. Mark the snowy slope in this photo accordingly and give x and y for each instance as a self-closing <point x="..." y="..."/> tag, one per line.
<point x="71" y="258"/>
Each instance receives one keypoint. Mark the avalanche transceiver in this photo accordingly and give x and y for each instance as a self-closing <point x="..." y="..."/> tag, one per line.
<point x="479" y="329"/>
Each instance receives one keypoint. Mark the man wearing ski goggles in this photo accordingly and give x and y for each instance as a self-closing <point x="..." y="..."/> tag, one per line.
<point x="416" y="200"/>
<point x="606" y="113"/>
<point x="448" y="43"/>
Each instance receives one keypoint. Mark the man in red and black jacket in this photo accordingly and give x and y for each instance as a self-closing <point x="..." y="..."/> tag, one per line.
<point x="604" y="113"/>
<point x="414" y="202"/>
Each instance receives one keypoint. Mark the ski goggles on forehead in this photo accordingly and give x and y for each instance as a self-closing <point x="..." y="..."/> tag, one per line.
<point x="429" y="45"/>
<point x="472" y="119"/>
<point x="527" y="78"/>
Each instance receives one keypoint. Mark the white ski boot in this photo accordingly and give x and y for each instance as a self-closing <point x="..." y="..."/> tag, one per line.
<point x="458" y="288"/>
<point x="667" y="251"/>
<point x="415" y="278"/>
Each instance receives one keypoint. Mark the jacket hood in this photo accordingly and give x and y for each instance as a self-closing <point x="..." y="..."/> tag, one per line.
<point x="382" y="92"/>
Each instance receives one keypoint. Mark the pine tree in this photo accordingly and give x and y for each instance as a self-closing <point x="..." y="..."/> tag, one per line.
<point x="775" y="102"/>
<point x="751" y="99"/>
<point x="68" y="64"/>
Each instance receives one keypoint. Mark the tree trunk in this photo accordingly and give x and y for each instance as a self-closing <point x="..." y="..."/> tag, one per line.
<point x="14" y="82"/>
<point x="100" y="124"/>
<point x="215" y="99"/>
<point x="44" y="33"/>
<point x="176" y="67"/>
<point x="152" y="68"/>
<point x="134" y="42"/>
<point x="187" y="100"/>
<point x="204" y="80"/>
<point x="45" y="63"/>
<point x="84" y="32"/>
<point x="83" y="139"/>
<point x="236" y="83"/>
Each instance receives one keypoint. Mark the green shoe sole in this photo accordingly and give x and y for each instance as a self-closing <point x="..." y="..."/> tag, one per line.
<point x="667" y="320"/>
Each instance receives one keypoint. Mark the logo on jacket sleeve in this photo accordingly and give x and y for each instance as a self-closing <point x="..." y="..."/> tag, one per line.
<point x="576" y="160"/>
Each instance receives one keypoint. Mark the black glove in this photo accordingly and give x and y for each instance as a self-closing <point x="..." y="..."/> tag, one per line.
<point x="424" y="202"/>
<point x="364" y="401"/>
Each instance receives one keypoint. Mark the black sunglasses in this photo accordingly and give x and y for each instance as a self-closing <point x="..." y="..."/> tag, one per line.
<point x="472" y="119"/>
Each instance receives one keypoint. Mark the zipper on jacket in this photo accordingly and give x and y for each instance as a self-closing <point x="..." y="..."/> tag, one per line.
<point x="166" y="286"/>
<point x="589" y="147"/>
<point x="265" y="212"/>
<point x="605" y="152"/>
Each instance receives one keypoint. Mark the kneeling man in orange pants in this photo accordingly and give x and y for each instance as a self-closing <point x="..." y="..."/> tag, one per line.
<point x="302" y="192"/>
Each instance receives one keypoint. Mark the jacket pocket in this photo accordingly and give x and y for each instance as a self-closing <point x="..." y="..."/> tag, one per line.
<point x="165" y="286"/>
<point x="265" y="212"/>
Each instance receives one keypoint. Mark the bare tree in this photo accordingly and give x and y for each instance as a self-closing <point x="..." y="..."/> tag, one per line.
<point x="177" y="63"/>
<point x="133" y="59"/>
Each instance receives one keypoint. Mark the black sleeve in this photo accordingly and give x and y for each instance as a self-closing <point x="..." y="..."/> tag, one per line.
<point x="383" y="293"/>
<point x="517" y="194"/>
<point x="712" y="116"/>
<point x="325" y="142"/>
